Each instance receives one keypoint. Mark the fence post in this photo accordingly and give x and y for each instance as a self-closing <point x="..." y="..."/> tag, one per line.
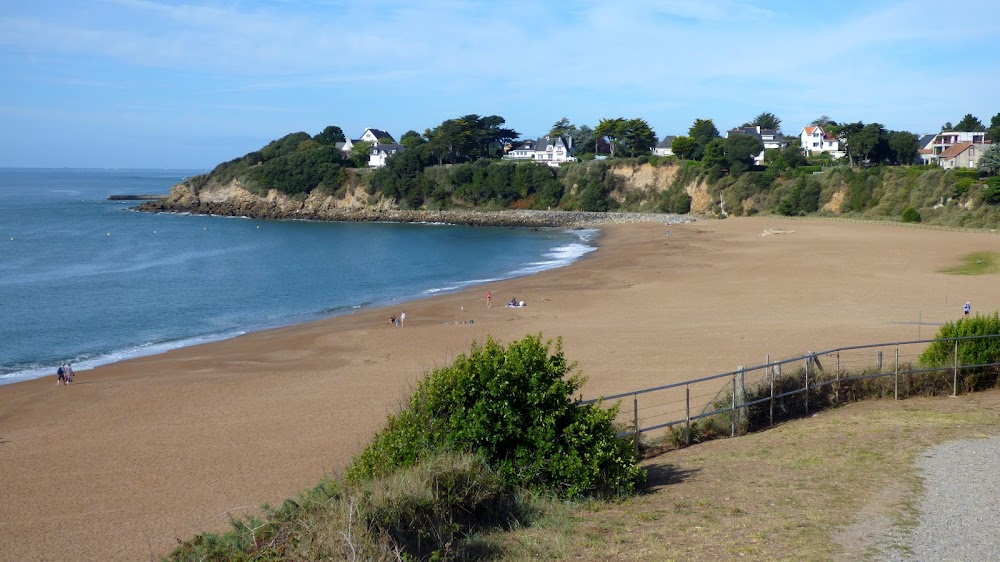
<point x="770" y="415"/>
<point x="895" y="375"/>
<point x="838" y="377"/>
<point x="807" y="386"/>
<point x="732" y="411"/>
<point x="635" y="419"/>
<point x="687" y="424"/>
<point x="878" y="359"/>
<point x="954" y="381"/>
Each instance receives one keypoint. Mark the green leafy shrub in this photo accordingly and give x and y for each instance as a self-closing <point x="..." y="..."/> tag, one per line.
<point x="910" y="215"/>
<point x="514" y="408"/>
<point x="991" y="193"/>
<point x="983" y="351"/>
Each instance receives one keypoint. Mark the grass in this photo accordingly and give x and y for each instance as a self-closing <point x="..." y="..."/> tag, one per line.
<point x="819" y="494"/>
<point x="976" y="263"/>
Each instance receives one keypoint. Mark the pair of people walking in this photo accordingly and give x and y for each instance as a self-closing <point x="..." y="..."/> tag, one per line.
<point x="64" y="374"/>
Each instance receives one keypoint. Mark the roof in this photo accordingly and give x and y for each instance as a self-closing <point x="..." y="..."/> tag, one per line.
<point x="387" y="148"/>
<point x="954" y="150"/>
<point x="925" y="140"/>
<point x="810" y="129"/>
<point x="526" y="145"/>
<point x="380" y="134"/>
<point x="667" y="141"/>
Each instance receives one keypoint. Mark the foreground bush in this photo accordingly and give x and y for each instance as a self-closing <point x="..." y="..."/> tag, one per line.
<point x="432" y="511"/>
<point x="514" y="408"/>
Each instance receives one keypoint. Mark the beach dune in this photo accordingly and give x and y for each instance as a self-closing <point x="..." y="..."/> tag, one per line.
<point x="137" y="455"/>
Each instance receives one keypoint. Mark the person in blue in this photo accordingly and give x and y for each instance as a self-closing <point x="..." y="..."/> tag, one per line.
<point x="967" y="308"/>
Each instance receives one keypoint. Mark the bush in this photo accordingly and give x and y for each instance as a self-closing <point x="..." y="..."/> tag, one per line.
<point x="991" y="193"/>
<point x="513" y="408"/>
<point x="982" y="351"/>
<point x="911" y="215"/>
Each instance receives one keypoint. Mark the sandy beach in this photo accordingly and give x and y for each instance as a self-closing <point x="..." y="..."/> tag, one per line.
<point x="136" y="455"/>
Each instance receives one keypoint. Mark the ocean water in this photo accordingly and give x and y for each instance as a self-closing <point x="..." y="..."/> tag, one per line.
<point x="87" y="280"/>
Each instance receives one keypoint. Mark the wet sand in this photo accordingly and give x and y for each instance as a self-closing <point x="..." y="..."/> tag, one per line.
<point x="138" y="454"/>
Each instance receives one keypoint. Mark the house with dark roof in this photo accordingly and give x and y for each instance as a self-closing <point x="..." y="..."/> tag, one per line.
<point x="380" y="152"/>
<point x="814" y="140"/>
<point x="770" y="137"/>
<point x="373" y="136"/>
<point x="665" y="146"/>
<point x="549" y="150"/>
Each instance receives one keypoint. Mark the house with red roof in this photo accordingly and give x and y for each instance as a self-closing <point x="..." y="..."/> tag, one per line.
<point x="962" y="155"/>
<point x="814" y="140"/>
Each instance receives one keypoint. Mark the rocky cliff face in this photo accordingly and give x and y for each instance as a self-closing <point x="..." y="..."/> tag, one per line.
<point x="234" y="200"/>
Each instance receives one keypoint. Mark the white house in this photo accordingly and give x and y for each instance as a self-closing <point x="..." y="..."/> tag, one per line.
<point x="370" y="135"/>
<point x="551" y="151"/>
<point x="665" y="146"/>
<point x="380" y="152"/>
<point x="770" y="137"/>
<point x="814" y="140"/>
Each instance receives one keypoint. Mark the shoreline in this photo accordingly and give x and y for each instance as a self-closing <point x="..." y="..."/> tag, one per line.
<point x="147" y="349"/>
<point x="161" y="447"/>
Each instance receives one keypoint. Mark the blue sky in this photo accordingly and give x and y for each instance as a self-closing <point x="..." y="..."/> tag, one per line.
<point x="148" y="83"/>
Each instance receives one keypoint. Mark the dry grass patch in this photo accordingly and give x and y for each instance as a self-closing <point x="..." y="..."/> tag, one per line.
<point x="839" y="485"/>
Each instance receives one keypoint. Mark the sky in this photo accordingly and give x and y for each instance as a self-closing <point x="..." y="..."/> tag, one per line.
<point x="156" y="84"/>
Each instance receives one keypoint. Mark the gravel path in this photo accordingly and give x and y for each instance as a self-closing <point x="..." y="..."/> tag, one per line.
<point x="960" y="512"/>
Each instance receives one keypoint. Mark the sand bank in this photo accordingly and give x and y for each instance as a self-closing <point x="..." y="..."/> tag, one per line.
<point x="138" y="454"/>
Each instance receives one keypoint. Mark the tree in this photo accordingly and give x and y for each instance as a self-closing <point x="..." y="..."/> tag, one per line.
<point x="361" y="153"/>
<point x="561" y="128"/>
<point x="970" y="123"/>
<point x="637" y="137"/>
<point x="903" y="147"/>
<point x="989" y="162"/>
<point x="611" y="130"/>
<point x="824" y="121"/>
<point x="767" y="120"/>
<point x="715" y="154"/>
<point x="947" y="127"/>
<point x="742" y="148"/>
<point x="703" y="131"/>
<point x="469" y="138"/>
<point x="867" y="143"/>
<point x="411" y="139"/>
<point x="330" y="135"/>
<point x="683" y="147"/>
<point x="993" y="133"/>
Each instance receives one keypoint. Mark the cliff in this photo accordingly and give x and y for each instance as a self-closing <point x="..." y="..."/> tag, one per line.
<point x="233" y="199"/>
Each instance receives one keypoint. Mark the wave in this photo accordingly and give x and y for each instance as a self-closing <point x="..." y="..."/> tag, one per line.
<point x="36" y="370"/>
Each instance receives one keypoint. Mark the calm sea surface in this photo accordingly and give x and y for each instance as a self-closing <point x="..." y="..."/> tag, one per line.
<point x="86" y="280"/>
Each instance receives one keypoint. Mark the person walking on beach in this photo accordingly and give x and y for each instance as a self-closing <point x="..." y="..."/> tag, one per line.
<point x="402" y="317"/>
<point x="60" y="375"/>
<point x="489" y="299"/>
<point x="69" y="373"/>
<point x="967" y="308"/>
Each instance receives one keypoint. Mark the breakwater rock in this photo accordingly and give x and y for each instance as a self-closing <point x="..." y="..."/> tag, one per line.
<point x="235" y="201"/>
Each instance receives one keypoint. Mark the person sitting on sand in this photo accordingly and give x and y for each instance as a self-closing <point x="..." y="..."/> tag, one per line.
<point x="513" y="302"/>
<point x="392" y="320"/>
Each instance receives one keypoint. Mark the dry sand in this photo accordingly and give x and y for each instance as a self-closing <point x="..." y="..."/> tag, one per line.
<point x="138" y="454"/>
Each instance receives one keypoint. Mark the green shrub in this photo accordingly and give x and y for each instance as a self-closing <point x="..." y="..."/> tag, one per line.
<point x="514" y="408"/>
<point x="991" y="193"/>
<point x="982" y="351"/>
<point x="808" y="169"/>
<point x="910" y="215"/>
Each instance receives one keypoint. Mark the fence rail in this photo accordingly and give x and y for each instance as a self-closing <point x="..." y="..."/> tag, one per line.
<point x="681" y="403"/>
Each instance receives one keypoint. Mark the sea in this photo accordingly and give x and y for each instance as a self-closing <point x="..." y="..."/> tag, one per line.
<point x="92" y="281"/>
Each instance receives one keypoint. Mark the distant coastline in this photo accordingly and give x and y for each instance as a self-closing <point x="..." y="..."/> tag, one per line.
<point x="233" y="201"/>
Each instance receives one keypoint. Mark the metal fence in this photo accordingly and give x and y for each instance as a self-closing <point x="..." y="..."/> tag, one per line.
<point x="679" y="404"/>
